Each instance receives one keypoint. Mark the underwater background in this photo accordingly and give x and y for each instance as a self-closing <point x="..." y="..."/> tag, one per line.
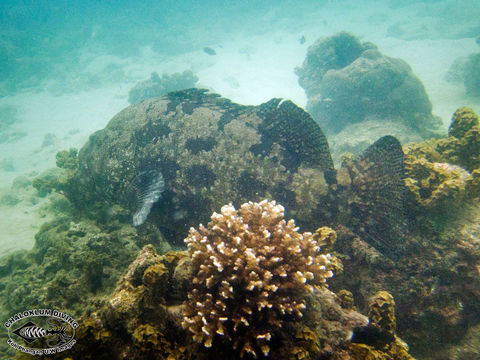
<point x="377" y="138"/>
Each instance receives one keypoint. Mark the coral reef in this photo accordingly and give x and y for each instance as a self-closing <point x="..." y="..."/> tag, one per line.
<point x="143" y="317"/>
<point x="57" y="179"/>
<point x="48" y="181"/>
<point x="158" y="86"/>
<point x="382" y="312"/>
<point x="72" y="262"/>
<point x="444" y="173"/>
<point x="197" y="141"/>
<point x="67" y="159"/>
<point x="140" y="319"/>
<point x="435" y="281"/>
<point x="434" y="278"/>
<point x="69" y="258"/>
<point x="381" y="343"/>
<point x="347" y="82"/>
<point x="463" y="120"/>
<point x="252" y="268"/>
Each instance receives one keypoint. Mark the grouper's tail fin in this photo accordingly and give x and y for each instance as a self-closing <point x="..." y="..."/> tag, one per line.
<point x="377" y="204"/>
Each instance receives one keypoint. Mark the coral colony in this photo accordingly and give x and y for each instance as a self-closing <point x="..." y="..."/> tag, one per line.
<point x="253" y="267"/>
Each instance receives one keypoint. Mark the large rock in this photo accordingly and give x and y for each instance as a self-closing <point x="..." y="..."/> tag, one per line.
<point x="348" y="82"/>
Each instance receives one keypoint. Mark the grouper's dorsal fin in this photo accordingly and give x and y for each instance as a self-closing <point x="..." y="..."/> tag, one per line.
<point x="377" y="204"/>
<point x="193" y="94"/>
<point x="297" y="132"/>
<point x="193" y="98"/>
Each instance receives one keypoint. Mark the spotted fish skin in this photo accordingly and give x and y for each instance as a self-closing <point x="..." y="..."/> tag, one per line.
<point x="303" y="140"/>
<point x="374" y="203"/>
<point x="212" y="152"/>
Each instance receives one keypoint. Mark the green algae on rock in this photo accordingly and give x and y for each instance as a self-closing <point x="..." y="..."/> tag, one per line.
<point x="71" y="264"/>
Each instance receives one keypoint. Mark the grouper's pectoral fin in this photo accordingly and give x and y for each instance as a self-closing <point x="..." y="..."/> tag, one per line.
<point x="376" y="202"/>
<point x="301" y="138"/>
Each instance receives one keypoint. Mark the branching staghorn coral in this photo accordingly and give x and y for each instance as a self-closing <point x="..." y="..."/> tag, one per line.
<point x="252" y="269"/>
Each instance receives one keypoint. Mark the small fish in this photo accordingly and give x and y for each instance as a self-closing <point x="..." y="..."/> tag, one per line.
<point x="302" y="39"/>
<point x="372" y="336"/>
<point x="209" y="51"/>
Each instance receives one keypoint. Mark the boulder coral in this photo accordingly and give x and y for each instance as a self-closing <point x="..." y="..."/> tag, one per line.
<point x="252" y="269"/>
<point x="382" y="318"/>
<point x="347" y="81"/>
<point x="445" y="172"/>
<point x="382" y="312"/>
